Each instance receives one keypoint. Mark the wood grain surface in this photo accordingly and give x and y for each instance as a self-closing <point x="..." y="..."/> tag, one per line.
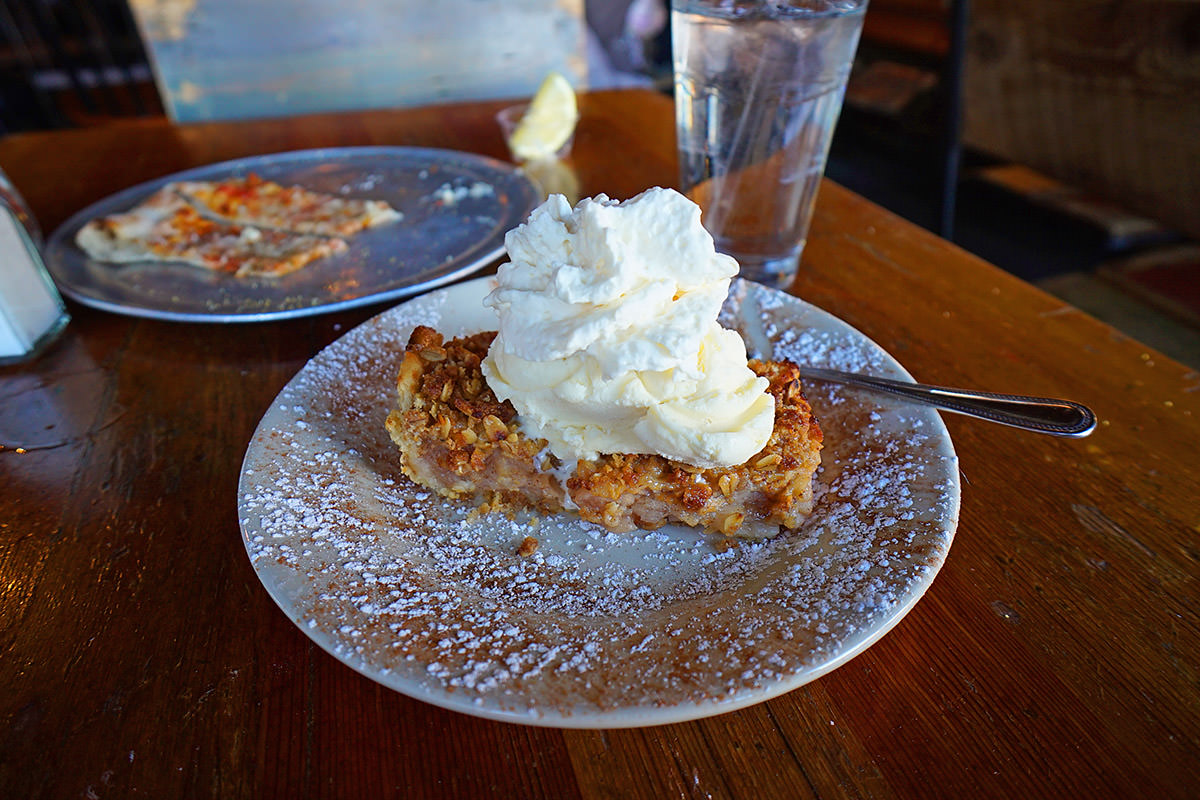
<point x="1103" y="96"/>
<point x="1054" y="656"/>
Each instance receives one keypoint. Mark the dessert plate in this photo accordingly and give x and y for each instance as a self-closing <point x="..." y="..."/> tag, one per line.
<point x="456" y="209"/>
<point x="595" y="629"/>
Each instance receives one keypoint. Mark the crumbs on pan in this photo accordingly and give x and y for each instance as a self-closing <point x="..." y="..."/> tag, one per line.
<point x="426" y="595"/>
<point x="365" y="183"/>
<point x="451" y="194"/>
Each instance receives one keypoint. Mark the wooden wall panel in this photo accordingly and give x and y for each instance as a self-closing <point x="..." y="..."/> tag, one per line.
<point x="1103" y="94"/>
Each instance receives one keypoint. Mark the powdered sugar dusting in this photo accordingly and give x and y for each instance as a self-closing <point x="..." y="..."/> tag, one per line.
<point x="593" y="628"/>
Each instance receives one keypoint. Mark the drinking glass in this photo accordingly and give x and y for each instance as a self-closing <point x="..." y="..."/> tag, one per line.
<point x="758" y="90"/>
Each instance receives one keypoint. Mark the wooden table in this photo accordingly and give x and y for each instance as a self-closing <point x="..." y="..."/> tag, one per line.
<point x="1054" y="656"/>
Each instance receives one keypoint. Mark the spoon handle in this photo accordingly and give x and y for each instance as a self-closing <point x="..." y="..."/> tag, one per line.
<point x="1038" y="414"/>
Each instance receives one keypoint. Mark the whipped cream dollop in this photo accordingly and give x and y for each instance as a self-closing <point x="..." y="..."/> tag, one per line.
<point x="608" y="337"/>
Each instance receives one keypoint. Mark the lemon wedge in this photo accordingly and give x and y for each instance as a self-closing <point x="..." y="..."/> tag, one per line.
<point x="549" y="122"/>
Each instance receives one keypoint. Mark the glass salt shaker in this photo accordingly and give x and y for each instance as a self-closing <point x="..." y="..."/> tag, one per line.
<point x="32" y="313"/>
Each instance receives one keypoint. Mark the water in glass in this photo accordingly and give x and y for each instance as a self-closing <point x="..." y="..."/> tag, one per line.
<point x="758" y="90"/>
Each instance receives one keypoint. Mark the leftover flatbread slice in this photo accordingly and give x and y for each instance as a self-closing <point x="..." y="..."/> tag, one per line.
<point x="254" y="201"/>
<point x="165" y="227"/>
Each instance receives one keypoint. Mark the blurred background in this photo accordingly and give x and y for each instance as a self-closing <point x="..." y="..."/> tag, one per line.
<point x="1060" y="141"/>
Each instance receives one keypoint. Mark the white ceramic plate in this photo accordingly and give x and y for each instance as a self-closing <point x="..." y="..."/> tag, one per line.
<point x="595" y="629"/>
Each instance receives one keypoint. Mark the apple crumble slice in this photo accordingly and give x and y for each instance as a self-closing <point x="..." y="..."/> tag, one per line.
<point x="458" y="440"/>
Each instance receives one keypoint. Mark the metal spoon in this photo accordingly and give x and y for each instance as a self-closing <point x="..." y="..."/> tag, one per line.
<point x="1038" y="414"/>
